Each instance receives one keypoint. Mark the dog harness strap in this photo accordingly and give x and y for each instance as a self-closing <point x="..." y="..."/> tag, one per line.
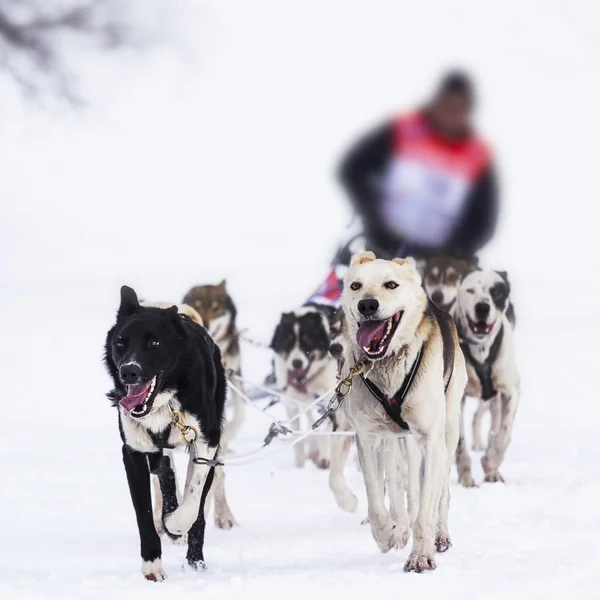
<point x="484" y="370"/>
<point x="449" y="378"/>
<point x="393" y="405"/>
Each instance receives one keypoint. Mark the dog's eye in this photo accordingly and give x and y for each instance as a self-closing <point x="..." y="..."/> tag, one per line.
<point x="470" y="291"/>
<point x="214" y="305"/>
<point x="120" y="344"/>
<point x="355" y="285"/>
<point x="153" y="343"/>
<point x="390" y="285"/>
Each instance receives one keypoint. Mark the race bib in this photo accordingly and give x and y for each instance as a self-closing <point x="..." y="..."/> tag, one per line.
<point x="423" y="203"/>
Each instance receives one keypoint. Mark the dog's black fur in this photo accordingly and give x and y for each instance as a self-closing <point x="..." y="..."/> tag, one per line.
<point x="187" y="365"/>
<point x="313" y="337"/>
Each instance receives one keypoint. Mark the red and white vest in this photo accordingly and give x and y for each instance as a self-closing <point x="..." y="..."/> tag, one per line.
<point x="428" y="182"/>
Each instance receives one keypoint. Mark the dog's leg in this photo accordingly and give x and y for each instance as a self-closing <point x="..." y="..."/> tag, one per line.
<point x="493" y="458"/>
<point x="195" y="551"/>
<point x="392" y="453"/>
<point x="463" y="460"/>
<point x="239" y="408"/>
<point x="163" y="468"/>
<point x="413" y="459"/>
<point x="292" y="413"/>
<point x="157" y="513"/>
<point x="325" y="441"/>
<point x="340" y="448"/>
<point x="478" y="444"/>
<point x="180" y="520"/>
<point x="381" y="523"/>
<point x="489" y="461"/>
<point x="442" y="537"/>
<point x="224" y="518"/>
<point x="314" y="443"/>
<point x="435" y="460"/>
<point x="138" y="478"/>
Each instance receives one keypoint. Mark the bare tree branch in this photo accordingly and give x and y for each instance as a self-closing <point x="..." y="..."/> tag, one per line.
<point x="33" y="36"/>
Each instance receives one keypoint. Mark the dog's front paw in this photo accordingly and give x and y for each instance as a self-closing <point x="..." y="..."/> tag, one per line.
<point x="178" y="522"/>
<point x="384" y="533"/>
<point x="493" y="477"/>
<point x="442" y="543"/>
<point x="402" y="535"/>
<point x="419" y="563"/>
<point x="224" y="519"/>
<point x="153" y="571"/>
<point x="323" y="463"/>
<point x="347" y="501"/>
<point x="196" y="565"/>
<point x="466" y="479"/>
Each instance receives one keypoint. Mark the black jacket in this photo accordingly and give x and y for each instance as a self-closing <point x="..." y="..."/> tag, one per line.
<point x="361" y="173"/>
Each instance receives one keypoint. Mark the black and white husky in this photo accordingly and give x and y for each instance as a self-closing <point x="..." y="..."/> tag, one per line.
<point x="160" y="361"/>
<point x="304" y="370"/>
<point x="485" y="320"/>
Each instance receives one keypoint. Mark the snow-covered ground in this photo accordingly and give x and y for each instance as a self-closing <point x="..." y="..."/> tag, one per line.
<point x="216" y="161"/>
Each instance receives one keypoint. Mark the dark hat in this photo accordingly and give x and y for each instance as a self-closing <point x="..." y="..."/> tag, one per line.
<point x="457" y="82"/>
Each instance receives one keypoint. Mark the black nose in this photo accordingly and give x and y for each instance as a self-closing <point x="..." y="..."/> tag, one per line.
<point x="368" y="307"/>
<point x="130" y="374"/>
<point x="336" y="350"/>
<point x="437" y="297"/>
<point x="482" y="310"/>
<point x="297" y="363"/>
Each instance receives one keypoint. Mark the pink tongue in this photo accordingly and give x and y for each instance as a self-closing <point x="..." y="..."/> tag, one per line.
<point x="369" y="332"/>
<point x="137" y="397"/>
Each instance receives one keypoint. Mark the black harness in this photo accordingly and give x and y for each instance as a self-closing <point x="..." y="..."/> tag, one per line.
<point x="393" y="405"/>
<point x="484" y="370"/>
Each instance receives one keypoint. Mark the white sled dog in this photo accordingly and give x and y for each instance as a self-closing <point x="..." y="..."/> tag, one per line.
<point x="413" y="382"/>
<point x="485" y="319"/>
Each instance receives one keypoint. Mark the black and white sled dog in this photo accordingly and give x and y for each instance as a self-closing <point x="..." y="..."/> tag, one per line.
<point x="413" y="382"/>
<point x="304" y="370"/>
<point x="485" y="320"/>
<point x="223" y="516"/>
<point x="160" y="361"/>
<point x="219" y="313"/>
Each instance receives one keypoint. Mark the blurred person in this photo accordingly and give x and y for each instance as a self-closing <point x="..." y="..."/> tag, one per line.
<point x="422" y="184"/>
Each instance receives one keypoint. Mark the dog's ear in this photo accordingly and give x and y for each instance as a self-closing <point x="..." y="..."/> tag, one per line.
<point x="504" y="276"/>
<point x="409" y="261"/>
<point x="285" y="318"/>
<point x="223" y="285"/>
<point x="362" y="257"/>
<point x="129" y="302"/>
<point x="421" y="264"/>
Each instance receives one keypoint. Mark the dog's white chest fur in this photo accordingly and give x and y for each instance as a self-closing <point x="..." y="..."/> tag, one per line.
<point x="137" y="432"/>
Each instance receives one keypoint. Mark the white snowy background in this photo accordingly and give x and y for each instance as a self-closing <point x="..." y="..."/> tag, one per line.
<point x="212" y="157"/>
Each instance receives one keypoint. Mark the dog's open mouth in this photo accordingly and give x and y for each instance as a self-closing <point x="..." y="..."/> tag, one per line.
<point x="297" y="379"/>
<point x="140" y="397"/>
<point x="480" y="327"/>
<point x="374" y="337"/>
